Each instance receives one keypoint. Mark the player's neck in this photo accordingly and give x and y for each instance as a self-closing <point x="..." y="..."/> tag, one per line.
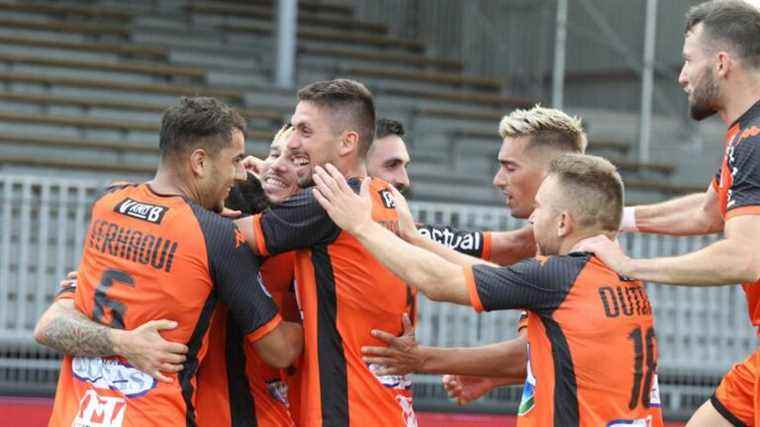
<point x="572" y="243"/>
<point x="169" y="182"/>
<point x="353" y="168"/>
<point x="739" y="100"/>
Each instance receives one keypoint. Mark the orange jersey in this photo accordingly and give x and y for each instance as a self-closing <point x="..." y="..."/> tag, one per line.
<point x="344" y="293"/>
<point x="738" y="184"/>
<point x="236" y="387"/>
<point x="147" y="257"/>
<point x="593" y="350"/>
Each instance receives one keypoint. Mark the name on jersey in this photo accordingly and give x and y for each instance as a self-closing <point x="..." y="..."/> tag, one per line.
<point x="470" y="242"/>
<point x="141" y="210"/>
<point x="625" y="301"/>
<point x="132" y="245"/>
<point x="112" y="374"/>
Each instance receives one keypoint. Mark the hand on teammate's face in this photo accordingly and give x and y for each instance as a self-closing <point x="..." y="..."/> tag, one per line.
<point x="349" y="210"/>
<point x="407" y="227"/>
<point x="253" y="165"/>
<point x="400" y="357"/>
<point x="465" y="389"/>
<point x="608" y="251"/>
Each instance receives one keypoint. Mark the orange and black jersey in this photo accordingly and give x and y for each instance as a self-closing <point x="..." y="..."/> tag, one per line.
<point x="235" y="386"/>
<point x="146" y="257"/>
<point x="344" y="293"/>
<point x="593" y="350"/>
<point x="473" y="243"/>
<point x="737" y="184"/>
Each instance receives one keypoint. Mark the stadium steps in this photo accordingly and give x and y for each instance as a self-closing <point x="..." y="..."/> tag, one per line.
<point x="306" y="17"/>
<point x="377" y="58"/>
<point x="132" y="50"/>
<point x="441" y="78"/>
<point x="271" y="115"/>
<point x="86" y="123"/>
<point x="163" y="71"/>
<point x="95" y="30"/>
<point x="332" y="36"/>
<point x="165" y="89"/>
<point x="67" y="10"/>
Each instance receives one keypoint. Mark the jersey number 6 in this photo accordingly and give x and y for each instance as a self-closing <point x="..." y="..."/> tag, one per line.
<point x="102" y="301"/>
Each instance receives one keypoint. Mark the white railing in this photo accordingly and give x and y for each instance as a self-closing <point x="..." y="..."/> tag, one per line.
<point x="43" y="222"/>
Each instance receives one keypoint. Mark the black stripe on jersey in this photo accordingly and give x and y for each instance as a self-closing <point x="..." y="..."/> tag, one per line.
<point x="722" y="410"/>
<point x="566" y="411"/>
<point x="191" y="363"/>
<point x="242" y="406"/>
<point x="333" y="378"/>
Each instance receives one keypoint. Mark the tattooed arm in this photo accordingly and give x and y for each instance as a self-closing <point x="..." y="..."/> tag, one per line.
<point x="66" y="329"/>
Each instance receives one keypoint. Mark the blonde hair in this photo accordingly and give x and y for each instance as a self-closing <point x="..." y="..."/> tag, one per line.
<point x="592" y="189"/>
<point x="284" y="133"/>
<point x="548" y="127"/>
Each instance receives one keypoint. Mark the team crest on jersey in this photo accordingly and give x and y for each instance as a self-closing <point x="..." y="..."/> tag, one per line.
<point x="141" y="210"/>
<point x="100" y="411"/>
<point x="407" y="410"/>
<point x="398" y="382"/>
<point x="640" y="422"/>
<point x="112" y="374"/>
<point x="279" y="391"/>
<point x="387" y="198"/>
<point x="528" y="399"/>
<point x="239" y="238"/>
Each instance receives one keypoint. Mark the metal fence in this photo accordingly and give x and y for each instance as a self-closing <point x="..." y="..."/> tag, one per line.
<point x="43" y="222"/>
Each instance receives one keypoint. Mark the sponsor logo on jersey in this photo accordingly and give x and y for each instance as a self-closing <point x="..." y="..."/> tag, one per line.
<point x="397" y="382"/>
<point x="279" y="391"/>
<point x="528" y="399"/>
<point x="100" y="411"/>
<point x="469" y="243"/>
<point x="387" y="198"/>
<point x="407" y="410"/>
<point x="141" y="210"/>
<point x="112" y="374"/>
<point x="641" y="422"/>
<point x="654" y="393"/>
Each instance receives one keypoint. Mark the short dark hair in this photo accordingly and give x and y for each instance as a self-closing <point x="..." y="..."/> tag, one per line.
<point x="387" y="127"/>
<point x="198" y="122"/>
<point x="734" y="23"/>
<point x="247" y="196"/>
<point x="592" y="187"/>
<point x="350" y="99"/>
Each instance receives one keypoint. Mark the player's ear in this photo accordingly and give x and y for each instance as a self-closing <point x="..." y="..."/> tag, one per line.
<point x="723" y="64"/>
<point x="199" y="162"/>
<point x="349" y="143"/>
<point x="565" y="224"/>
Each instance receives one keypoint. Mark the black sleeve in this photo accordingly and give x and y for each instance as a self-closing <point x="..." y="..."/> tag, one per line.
<point x="299" y="222"/>
<point x="744" y="163"/>
<point x="533" y="284"/>
<point x="466" y="242"/>
<point x="234" y="270"/>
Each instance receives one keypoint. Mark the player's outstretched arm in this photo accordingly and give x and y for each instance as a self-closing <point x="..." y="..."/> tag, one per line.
<point x="66" y="329"/>
<point x="409" y="232"/>
<point x="465" y="389"/>
<point x="282" y="346"/>
<point x="732" y="260"/>
<point x="403" y="355"/>
<point x="509" y="247"/>
<point x="694" y="214"/>
<point x="437" y="278"/>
